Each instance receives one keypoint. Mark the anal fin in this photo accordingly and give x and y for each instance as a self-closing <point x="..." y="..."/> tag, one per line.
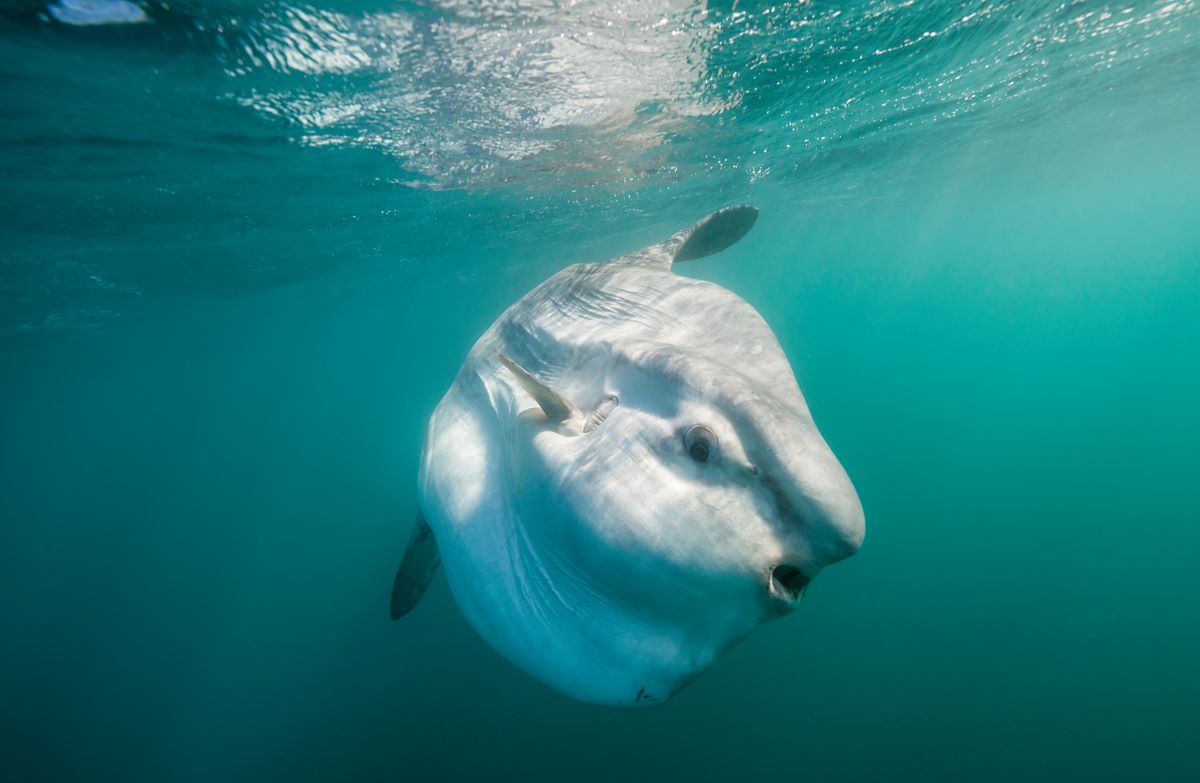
<point x="420" y="563"/>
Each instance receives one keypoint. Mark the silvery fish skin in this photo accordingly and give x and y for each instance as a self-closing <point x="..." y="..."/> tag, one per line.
<point x="624" y="479"/>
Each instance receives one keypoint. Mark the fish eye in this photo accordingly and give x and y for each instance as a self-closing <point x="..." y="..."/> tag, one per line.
<point x="700" y="443"/>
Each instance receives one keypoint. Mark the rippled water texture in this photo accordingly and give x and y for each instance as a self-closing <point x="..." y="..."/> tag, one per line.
<point x="126" y="145"/>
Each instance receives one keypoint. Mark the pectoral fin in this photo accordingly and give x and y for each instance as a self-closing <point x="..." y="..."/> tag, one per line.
<point x="420" y="563"/>
<point x="551" y="402"/>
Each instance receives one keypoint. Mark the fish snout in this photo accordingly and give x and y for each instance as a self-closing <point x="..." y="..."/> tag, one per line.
<point x="820" y="521"/>
<point x="838" y="524"/>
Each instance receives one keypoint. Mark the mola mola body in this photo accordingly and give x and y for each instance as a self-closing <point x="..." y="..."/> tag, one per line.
<point x="624" y="478"/>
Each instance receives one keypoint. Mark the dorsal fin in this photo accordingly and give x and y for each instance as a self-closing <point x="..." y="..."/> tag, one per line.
<point x="709" y="235"/>
<point x="713" y="233"/>
<point x="552" y="404"/>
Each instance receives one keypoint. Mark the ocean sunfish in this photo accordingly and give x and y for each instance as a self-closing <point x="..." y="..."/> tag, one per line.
<point x="624" y="479"/>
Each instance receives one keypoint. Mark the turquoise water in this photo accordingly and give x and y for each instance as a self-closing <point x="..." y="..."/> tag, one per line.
<point x="246" y="246"/>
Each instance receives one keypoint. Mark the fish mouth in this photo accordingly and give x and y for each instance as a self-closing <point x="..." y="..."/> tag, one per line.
<point x="788" y="583"/>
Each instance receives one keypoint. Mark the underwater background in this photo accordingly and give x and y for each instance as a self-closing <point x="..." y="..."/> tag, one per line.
<point x="244" y="248"/>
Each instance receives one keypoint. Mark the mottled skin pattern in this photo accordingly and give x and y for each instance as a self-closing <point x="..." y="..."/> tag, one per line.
<point x="611" y="563"/>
